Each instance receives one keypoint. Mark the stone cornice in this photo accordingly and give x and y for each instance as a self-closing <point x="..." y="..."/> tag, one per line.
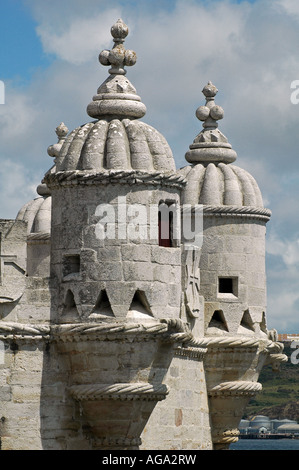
<point x="166" y="330"/>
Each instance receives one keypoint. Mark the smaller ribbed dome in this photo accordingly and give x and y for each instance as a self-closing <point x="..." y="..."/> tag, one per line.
<point x="212" y="179"/>
<point x="222" y="184"/>
<point x="37" y="213"/>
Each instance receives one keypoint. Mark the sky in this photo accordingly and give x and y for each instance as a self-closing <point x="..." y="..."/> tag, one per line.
<point x="248" y="49"/>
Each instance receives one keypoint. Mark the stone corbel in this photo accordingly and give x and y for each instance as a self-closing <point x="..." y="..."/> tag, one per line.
<point x="274" y="351"/>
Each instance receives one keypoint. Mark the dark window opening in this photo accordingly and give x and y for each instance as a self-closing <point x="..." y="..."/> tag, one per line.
<point x="165" y="230"/>
<point x="71" y="264"/>
<point x="226" y="285"/>
<point x="165" y="224"/>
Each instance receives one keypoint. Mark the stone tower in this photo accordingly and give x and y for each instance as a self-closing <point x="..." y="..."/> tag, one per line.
<point x="117" y="330"/>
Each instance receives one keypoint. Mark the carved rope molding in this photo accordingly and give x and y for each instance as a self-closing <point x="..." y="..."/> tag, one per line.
<point x="230" y="342"/>
<point x="120" y="391"/>
<point x="226" y="437"/>
<point x="76" y="177"/>
<point x="236" y="388"/>
<point x="173" y="331"/>
<point x="91" y="331"/>
<point x="236" y="211"/>
<point x="17" y="331"/>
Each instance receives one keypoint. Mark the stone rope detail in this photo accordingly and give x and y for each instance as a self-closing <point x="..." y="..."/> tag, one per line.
<point x="10" y="330"/>
<point x="243" y="211"/>
<point x="75" y="332"/>
<point x="74" y="177"/>
<point x="235" y="388"/>
<point x="229" y="342"/>
<point x="227" y="437"/>
<point x="120" y="391"/>
<point x="170" y="331"/>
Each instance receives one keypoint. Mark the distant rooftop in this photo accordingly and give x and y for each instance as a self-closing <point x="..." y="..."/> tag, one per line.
<point x="288" y="337"/>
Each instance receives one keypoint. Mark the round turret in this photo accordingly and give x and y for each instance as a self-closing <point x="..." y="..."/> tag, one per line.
<point x="232" y="263"/>
<point x="108" y="176"/>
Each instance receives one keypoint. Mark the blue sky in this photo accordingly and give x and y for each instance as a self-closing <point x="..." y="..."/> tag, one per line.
<point x="249" y="49"/>
<point x="21" y="51"/>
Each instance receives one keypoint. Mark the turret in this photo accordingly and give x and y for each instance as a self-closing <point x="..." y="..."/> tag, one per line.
<point x="232" y="271"/>
<point x="111" y="175"/>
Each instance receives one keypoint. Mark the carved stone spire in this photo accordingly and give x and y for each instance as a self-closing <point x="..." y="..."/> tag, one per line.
<point x="118" y="57"/>
<point x="116" y="97"/>
<point x="210" y="146"/>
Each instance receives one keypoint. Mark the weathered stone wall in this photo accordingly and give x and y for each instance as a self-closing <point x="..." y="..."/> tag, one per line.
<point x="119" y="266"/>
<point x="182" y="420"/>
<point x="20" y="391"/>
<point x="13" y="249"/>
<point x="234" y="247"/>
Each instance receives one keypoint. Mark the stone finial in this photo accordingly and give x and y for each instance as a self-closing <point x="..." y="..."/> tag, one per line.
<point x="210" y="113"/>
<point x="117" y="97"/>
<point x="53" y="151"/>
<point x="210" y="145"/>
<point x="118" y="57"/>
<point x="61" y="132"/>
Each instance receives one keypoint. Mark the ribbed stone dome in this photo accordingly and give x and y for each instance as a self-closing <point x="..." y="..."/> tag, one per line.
<point x="115" y="145"/>
<point x="220" y="184"/>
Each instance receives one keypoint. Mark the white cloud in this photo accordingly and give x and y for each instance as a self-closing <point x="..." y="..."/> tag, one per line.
<point x="18" y="186"/>
<point x="288" y="250"/>
<point x="282" y="312"/>
<point x="283" y="282"/>
<point x="291" y="7"/>
<point x="81" y="40"/>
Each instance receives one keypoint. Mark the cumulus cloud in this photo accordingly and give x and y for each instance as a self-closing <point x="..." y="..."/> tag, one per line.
<point x="81" y="40"/>
<point x="283" y="282"/>
<point x="288" y="250"/>
<point x="18" y="185"/>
